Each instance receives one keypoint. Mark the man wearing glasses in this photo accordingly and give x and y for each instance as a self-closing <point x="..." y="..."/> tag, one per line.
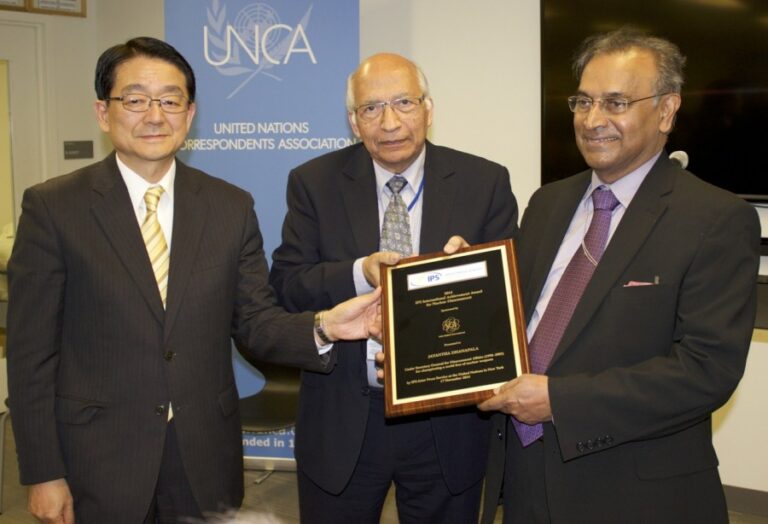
<point x="128" y="280"/>
<point x="393" y="195"/>
<point x="639" y="285"/>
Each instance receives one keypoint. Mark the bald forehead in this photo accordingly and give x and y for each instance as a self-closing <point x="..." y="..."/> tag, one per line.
<point x="384" y="63"/>
<point x="383" y="77"/>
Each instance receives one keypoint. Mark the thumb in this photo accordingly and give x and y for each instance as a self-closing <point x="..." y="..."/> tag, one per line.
<point x="454" y="244"/>
<point x="390" y="258"/>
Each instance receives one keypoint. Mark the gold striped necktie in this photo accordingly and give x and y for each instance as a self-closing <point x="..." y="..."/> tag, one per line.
<point x="154" y="239"/>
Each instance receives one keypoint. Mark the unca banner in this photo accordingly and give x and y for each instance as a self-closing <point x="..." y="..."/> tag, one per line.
<point x="271" y="78"/>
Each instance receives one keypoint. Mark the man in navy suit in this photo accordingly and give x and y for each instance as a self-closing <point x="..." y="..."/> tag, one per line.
<point x="657" y="340"/>
<point x="347" y="453"/>
<point x="121" y="384"/>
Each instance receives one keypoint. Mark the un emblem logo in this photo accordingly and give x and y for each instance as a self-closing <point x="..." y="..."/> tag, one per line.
<point x="262" y="16"/>
<point x="255" y="43"/>
<point x="451" y="325"/>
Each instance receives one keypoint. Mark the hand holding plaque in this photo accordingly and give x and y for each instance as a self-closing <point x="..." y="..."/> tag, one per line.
<point x="453" y="328"/>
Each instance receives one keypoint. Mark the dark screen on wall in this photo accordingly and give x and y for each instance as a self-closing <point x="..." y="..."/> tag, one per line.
<point x="723" y="121"/>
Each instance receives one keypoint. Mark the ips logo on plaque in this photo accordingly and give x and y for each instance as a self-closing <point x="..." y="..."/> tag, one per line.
<point x="254" y="41"/>
<point x="451" y="325"/>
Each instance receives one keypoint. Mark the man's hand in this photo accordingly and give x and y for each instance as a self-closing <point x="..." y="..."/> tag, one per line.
<point x="384" y="257"/>
<point x="371" y="270"/>
<point x="355" y="319"/>
<point x="454" y="244"/>
<point x="526" y="398"/>
<point x="51" y="502"/>
<point x="380" y="365"/>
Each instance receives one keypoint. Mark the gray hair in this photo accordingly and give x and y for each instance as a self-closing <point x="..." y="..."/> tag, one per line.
<point x="669" y="60"/>
<point x="350" y="100"/>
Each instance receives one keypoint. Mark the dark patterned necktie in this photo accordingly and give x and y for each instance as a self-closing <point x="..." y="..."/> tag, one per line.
<point x="396" y="229"/>
<point x="567" y="295"/>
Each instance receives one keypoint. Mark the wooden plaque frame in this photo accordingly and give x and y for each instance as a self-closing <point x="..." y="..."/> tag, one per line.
<point x="453" y="328"/>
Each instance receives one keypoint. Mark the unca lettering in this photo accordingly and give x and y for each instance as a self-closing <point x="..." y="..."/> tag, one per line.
<point x="299" y="43"/>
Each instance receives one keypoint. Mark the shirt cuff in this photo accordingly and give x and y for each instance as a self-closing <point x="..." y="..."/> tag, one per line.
<point x="361" y="284"/>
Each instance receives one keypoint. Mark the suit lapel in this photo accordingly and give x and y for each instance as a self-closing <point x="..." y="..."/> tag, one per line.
<point x="190" y="211"/>
<point x="358" y="192"/>
<point x="439" y="195"/>
<point x="647" y="207"/>
<point x="111" y="205"/>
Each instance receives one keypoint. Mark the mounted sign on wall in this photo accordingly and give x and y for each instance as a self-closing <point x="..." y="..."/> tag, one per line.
<point x="49" y="7"/>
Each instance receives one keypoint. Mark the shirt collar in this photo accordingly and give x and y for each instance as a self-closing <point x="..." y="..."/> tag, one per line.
<point x="624" y="188"/>
<point x="137" y="185"/>
<point x="413" y="174"/>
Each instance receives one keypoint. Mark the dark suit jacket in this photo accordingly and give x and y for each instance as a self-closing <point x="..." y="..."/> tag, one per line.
<point x="332" y="220"/>
<point x="94" y="359"/>
<point x="640" y="369"/>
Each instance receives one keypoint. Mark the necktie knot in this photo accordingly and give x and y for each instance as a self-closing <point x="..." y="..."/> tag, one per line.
<point x="396" y="184"/>
<point x="396" y="227"/>
<point x="604" y="200"/>
<point x="152" y="197"/>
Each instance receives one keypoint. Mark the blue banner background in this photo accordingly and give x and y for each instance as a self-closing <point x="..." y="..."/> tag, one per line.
<point x="256" y="119"/>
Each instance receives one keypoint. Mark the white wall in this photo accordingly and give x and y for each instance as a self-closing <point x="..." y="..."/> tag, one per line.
<point x="740" y="427"/>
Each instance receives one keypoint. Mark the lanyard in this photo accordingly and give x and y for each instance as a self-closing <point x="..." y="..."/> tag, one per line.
<point x="418" y="194"/>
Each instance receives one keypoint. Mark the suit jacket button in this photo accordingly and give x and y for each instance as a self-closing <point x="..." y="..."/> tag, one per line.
<point x="160" y="409"/>
<point x="580" y="447"/>
<point x="608" y="440"/>
<point x="499" y="434"/>
<point x="169" y="356"/>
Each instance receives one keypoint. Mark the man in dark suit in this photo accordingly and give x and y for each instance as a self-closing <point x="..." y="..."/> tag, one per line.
<point x="122" y="309"/>
<point x="631" y="357"/>
<point x="347" y="453"/>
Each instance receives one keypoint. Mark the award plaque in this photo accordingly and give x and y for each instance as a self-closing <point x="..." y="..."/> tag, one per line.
<point x="453" y="328"/>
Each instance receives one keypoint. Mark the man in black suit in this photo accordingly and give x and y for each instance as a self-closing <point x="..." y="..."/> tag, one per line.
<point x="615" y="425"/>
<point x="347" y="453"/>
<point x="128" y="280"/>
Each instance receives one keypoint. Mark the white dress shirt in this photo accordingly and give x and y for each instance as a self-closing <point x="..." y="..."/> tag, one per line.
<point x="137" y="187"/>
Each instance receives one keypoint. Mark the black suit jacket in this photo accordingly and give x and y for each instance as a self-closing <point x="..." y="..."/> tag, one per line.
<point x="332" y="220"/>
<point x="640" y="369"/>
<point x="94" y="359"/>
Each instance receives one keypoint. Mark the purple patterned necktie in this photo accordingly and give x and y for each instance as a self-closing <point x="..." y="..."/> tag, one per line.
<point x="567" y="295"/>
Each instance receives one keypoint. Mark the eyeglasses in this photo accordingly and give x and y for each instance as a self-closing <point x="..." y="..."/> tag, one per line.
<point x="139" y="103"/>
<point x="614" y="105"/>
<point x="373" y="110"/>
